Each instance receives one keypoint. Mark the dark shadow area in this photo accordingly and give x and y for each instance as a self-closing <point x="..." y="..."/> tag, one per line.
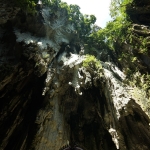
<point x="17" y="127"/>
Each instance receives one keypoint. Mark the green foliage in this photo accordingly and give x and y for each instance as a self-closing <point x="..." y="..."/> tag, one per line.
<point x="116" y="30"/>
<point x="142" y="81"/>
<point x="118" y="7"/>
<point x="92" y="62"/>
<point x="140" y="43"/>
<point x="82" y="23"/>
<point x="119" y="34"/>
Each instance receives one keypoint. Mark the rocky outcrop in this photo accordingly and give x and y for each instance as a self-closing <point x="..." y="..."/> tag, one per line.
<point x="49" y="98"/>
<point x="139" y="12"/>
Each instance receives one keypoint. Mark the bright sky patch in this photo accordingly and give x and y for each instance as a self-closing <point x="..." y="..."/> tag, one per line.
<point x="99" y="8"/>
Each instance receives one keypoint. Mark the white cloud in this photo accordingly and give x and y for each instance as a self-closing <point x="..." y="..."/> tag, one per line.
<point x="99" y="8"/>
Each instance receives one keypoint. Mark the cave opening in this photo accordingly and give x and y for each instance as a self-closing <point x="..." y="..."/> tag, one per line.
<point x="87" y="126"/>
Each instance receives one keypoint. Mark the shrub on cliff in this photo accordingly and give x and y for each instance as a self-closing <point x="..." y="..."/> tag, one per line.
<point x="92" y="62"/>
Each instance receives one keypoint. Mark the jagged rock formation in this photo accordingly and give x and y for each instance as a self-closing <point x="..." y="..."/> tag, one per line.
<point x="136" y="53"/>
<point x="49" y="98"/>
<point x="139" y="12"/>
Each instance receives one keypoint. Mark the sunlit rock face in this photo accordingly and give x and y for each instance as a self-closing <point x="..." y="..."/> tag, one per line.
<point x="50" y="99"/>
<point x="89" y="109"/>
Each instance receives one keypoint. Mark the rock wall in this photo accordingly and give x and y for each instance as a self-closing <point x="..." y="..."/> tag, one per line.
<point x="50" y="99"/>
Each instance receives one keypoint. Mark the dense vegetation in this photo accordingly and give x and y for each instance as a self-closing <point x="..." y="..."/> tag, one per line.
<point x="130" y="41"/>
<point x="120" y="36"/>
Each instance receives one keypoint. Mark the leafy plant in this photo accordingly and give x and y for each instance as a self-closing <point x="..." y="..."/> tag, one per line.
<point x="92" y="62"/>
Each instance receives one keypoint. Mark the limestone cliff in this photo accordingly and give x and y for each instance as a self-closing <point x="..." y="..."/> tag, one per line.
<point x="51" y="95"/>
